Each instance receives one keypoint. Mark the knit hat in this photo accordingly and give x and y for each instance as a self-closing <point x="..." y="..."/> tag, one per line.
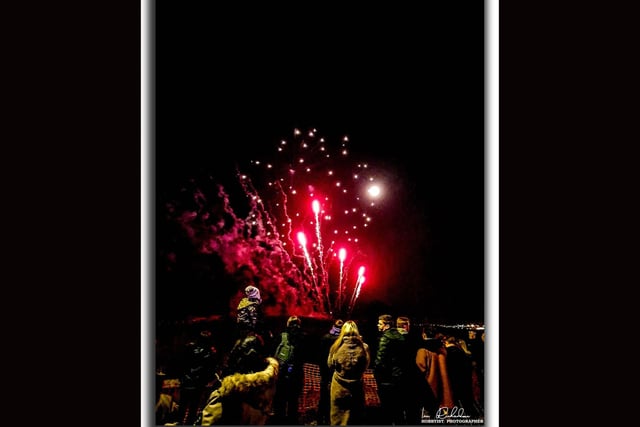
<point x="337" y="327"/>
<point x="252" y="292"/>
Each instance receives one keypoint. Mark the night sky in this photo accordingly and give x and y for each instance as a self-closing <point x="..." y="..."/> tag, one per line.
<point x="410" y="98"/>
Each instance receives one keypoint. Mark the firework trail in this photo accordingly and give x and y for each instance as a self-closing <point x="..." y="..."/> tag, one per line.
<point x="356" y="290"/>
<point x="342" y="255"/>
<point x="309" y="184"/>
<point x="316" y="210"/>
<point x="303" y="242"/>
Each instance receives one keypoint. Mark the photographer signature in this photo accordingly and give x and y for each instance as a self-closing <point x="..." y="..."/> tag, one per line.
<point x="455" y="412"/>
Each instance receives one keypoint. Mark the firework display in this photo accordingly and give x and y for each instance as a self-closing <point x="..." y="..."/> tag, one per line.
<point x="310" y="209"/>
<point x="313" y="189"/>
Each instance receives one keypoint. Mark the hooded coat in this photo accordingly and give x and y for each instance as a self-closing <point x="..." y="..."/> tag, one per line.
<point x="348" y="362"/>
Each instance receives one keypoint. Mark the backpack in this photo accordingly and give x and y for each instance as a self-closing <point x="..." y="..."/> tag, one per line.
<point x="285" y="351"/>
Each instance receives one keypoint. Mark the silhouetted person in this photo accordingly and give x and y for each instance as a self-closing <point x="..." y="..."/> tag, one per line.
<point x="431" y="360"/>
<point x="199" y="370"/>
<point x="247" y="354"/>
<point x="475" y="345"/>
<point x="391" y="372"/>
<point x="460" y="370"/>
<point x="413" y="379"/>
<point x="291" y="376"/>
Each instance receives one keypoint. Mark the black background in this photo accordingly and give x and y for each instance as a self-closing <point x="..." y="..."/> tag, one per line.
<point x="72" y="191"/>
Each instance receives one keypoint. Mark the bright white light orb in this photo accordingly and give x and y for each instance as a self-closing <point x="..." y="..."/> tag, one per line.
<point x="374" y="191"/>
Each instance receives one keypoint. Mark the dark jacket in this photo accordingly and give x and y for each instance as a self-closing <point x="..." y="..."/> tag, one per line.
<point x="394" y="360"/>
<point x="200" y="365"/>
<point x="247" y="355"/>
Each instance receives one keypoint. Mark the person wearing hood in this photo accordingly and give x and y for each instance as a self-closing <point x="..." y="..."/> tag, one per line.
<point x="326" y="374"/>
<point x="249" y="349"/>
<point x="249" y="310"/>
<point x="349" y="358"/>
